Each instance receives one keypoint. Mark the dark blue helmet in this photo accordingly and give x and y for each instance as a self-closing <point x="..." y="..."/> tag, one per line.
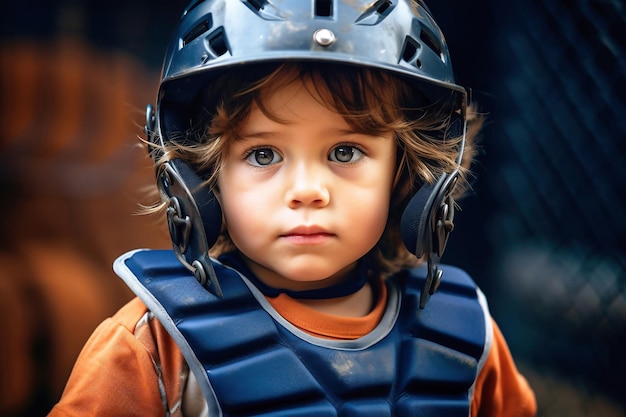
<point x="399" y="36"/>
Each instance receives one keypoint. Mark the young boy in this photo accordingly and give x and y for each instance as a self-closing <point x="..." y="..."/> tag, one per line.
<point x="307" y="145"/>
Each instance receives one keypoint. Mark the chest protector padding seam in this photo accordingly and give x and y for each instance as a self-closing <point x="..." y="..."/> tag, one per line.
<point x="248" y="364"/>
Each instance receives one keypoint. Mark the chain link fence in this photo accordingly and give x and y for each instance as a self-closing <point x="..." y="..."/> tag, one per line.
<point x="549" y="209"/>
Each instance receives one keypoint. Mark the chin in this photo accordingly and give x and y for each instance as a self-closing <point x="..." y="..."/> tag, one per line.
<point x="313" y="275"/>
<point x="308" y="275"/>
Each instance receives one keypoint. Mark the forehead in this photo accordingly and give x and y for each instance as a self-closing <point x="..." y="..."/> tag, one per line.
<point x="292" y="77"/>
<point x="289" y="94"/>
<point x="297" y="103"/>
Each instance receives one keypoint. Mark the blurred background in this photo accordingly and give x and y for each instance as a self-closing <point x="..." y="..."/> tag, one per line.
<point x="543" y="231"/>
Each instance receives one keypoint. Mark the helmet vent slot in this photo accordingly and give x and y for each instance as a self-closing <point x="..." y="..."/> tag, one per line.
<point x="381" y="6"/>
<point x="198" y="30"/>
<point x="217" y="42"/>
<point x="375" y="13"/>
<point x="256" y="4"/>
<point x="410" y="49"/>
<point x="430" y="41"/>
<point x="324" y="8"/>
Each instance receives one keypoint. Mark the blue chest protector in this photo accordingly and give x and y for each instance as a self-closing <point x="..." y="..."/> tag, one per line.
<point x="249" y="361"/>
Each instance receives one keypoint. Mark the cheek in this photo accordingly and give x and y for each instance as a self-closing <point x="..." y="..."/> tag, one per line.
<point x="368" y="209"/>
<point x="379" y="213"/>
<point x="235" y="210"/>
<point x="242" y="215"/>
<point x="379" y="202"/>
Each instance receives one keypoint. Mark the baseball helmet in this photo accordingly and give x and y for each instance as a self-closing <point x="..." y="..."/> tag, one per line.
<point x="215" y="36"/>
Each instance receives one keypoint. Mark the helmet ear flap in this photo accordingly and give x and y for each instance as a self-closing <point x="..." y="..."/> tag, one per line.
<point x="194" y="219"/>
<point x="426" y="224"/>
<point x="414" y="219"/>
<point x="194" y="216"/>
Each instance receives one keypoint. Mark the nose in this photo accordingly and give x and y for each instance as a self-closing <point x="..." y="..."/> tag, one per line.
<point x="307" y="187"/>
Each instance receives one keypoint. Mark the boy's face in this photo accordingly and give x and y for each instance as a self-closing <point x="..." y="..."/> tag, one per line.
<point x="305" y="198"/>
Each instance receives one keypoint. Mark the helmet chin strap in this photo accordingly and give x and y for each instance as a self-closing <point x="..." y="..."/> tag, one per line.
<point x="194" y="219"/>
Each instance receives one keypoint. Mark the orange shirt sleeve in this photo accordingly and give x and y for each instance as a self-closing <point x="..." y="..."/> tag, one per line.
<point x="122" y="368"/>
<point x="500" y="390"/>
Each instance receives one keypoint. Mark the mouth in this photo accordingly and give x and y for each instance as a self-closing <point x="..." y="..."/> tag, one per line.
<point x="308" y="235"/>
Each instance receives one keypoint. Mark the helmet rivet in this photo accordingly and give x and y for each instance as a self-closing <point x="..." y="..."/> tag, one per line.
<point x="324" y="37"/>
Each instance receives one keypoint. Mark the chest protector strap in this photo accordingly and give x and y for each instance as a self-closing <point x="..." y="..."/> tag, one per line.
<point x="249" y="361"/>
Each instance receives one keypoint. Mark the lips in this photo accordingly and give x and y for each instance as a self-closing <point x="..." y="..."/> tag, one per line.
<point x="307" y="230"/>
<point x="308" y="235"/>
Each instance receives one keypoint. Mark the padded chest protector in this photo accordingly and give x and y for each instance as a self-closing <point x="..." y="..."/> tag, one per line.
<point x="249" y="361"/>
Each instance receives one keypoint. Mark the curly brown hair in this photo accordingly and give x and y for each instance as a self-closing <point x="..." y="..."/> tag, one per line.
<point x="371" y="101"/>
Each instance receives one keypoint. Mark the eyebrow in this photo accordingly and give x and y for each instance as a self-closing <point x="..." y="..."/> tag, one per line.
<point x="263" y="134"/>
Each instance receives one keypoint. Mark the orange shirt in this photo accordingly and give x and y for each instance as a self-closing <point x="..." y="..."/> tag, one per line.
<point x="131" y="367"/>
